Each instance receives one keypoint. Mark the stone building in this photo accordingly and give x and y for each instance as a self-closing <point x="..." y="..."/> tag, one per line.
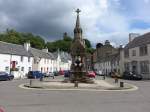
<point x="107" y="58"/>
<point x="89" y="61"/>
<point x="136" y="55"/>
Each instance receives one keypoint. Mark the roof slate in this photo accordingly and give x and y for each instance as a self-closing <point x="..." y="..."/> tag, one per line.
<point x="14" y="49"/>
<point x="41" y="54"/>
<point x="139" y="41"/>
<point x="63" y="56"/>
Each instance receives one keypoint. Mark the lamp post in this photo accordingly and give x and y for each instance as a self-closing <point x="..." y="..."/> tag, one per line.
<point x="10" y="60"/>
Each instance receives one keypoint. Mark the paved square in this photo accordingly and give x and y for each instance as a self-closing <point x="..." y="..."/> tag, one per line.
<point x="15" y="99"/>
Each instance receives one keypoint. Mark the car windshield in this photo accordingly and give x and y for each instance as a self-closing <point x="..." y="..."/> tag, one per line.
<point x="2" y="73"/>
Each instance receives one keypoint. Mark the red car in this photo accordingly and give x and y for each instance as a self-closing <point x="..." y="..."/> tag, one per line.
<point x="61" y="72"/>
<point x="91" y="74"/>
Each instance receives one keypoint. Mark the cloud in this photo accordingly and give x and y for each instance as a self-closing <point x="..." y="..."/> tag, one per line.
<point x="100" y="19"/>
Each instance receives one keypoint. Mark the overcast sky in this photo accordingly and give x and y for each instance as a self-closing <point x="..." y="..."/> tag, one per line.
<point x="100" y="19"/>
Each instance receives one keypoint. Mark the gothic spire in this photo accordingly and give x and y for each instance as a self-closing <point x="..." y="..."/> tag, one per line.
<point x="78" y="20"/>
<point x="78" y="30"/>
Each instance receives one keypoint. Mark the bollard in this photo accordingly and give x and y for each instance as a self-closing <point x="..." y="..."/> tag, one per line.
<point x="104" y="77"/>
<point x="76" y="84"/>
<point x="41" y="78"/>
<point x="121" y="84"/>
<point x="30" y="82"/>
<point x="116" y="80"/>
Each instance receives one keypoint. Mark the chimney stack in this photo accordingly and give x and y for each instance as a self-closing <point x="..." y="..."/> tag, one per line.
<point x="132" y="36"/>
<point x="45" y="50"/>
<point x="27" y="46"/>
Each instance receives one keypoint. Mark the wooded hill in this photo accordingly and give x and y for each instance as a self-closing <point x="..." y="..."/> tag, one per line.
<point x="12" y="36"/>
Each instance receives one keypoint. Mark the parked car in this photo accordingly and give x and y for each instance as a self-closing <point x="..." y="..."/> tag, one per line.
<point x="35" y="74"/>
<point x="99" y="73"/>
<point x="46" y="74"/>
<point x="67" y="73"/>
<point x="5" y="76"/>
<point x="91" y="74"/>
<point x="56" y="73"/>
<point x="61" y="72"/>
<point x="131" y="76"/>
<point x="49" y="74"/>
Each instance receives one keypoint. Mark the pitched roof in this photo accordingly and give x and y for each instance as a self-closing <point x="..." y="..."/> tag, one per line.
<point x="63" y="56"/>
<point x="40" y="53"/>
<point x="14" y="49"/>
<point x="51" y="55"/>
<point x="139" y="41"/>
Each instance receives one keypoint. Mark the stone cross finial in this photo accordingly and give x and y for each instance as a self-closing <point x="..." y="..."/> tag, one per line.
<point x="78" y="11"/>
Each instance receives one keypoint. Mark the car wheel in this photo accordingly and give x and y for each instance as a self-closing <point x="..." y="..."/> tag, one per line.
<point x="8" y="79"/>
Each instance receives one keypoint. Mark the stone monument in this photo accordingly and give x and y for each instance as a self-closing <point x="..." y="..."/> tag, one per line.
<point x="78" y="54"/>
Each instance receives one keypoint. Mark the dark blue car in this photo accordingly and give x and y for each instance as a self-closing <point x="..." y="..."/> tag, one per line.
<point x="66" y="73"/>
<point x="5" y="76"/>
<point x="35" y="74"/>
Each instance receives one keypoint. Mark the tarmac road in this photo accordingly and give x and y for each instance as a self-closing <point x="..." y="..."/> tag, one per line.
<point x="15" y="99"/>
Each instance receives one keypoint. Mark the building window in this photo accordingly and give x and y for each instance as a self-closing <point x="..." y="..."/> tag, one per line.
<point x="143" y="50"/>
<point x="21" y="58"/>
<point x="126" y="53"/>
<point x="7" y="68"/>
<point x="127" y="66"/>
<point x="18" y="68"/>
<point x="144" y="66"/>
<point x="29" y="68"/>
<point x="29" y="59"/>
<point x="133" y="52"/>
<point x="41" y="69"/>
<point x="22" y="68"/>
<point x="35" y="61"/>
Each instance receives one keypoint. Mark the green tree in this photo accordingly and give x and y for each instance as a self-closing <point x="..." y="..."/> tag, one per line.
<point x="63" y="45"/>
<point x="35" y="41"/>
<point x="11" y="36"/>
<point x="87" y="43"/>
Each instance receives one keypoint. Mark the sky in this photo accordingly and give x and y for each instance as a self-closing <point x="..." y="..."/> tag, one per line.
<point x="100" y="19"/>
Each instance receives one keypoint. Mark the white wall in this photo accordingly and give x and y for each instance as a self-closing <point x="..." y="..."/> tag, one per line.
<point x="47" y="65"/>
<point x="5" y="60"/>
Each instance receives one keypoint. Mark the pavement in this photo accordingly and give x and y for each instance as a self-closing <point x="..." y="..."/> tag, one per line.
<point x="58" y="84"/>
<point x="15" y="99"/>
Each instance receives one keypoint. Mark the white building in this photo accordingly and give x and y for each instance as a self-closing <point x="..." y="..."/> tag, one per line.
<point x="43" y="60"/>
<point x="20" y="59"/>
<point x="15" y="59"/>
<point x="62" y="61"/>
<point x="136" y="56"/>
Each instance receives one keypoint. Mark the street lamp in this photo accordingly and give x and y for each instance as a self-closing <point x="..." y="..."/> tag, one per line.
<point x="10" y="60"/>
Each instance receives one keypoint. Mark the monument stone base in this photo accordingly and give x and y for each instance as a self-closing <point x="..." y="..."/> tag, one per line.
<point x="81" y="77"/>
